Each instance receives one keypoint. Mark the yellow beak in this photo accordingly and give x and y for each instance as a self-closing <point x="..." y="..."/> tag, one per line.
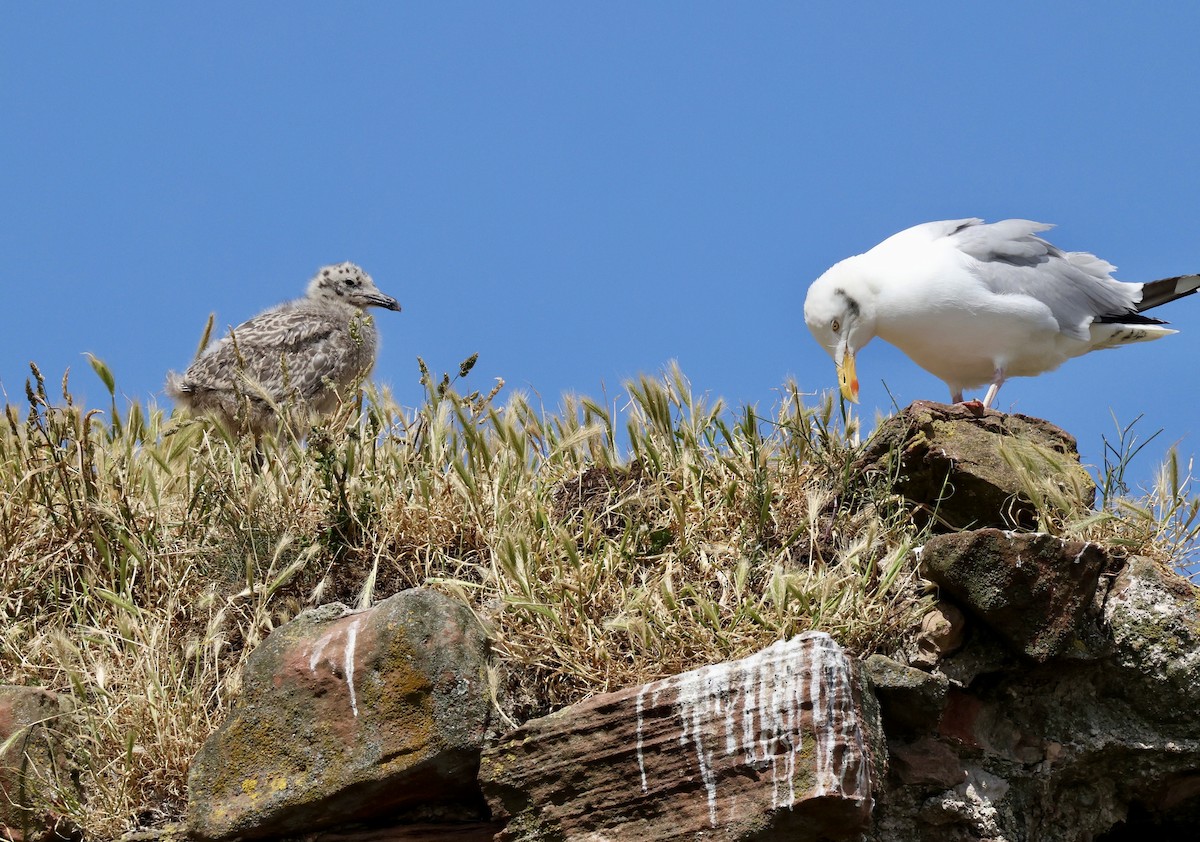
<point x="847" y="378"/>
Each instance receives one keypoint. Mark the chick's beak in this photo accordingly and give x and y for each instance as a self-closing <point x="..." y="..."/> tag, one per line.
<point x="378" y="299"/>
<point x="847" y="377"/>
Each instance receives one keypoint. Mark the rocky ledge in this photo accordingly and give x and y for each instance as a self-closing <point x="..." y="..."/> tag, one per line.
<point x="1054" y="694"/>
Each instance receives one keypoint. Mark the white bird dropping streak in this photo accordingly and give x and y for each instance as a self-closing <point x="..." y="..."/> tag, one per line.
<point x="318" y="649"/>
<point x="843" y="718"/>
<point x="641" y="758"/>
<point x="351" y="637"/>
<point x="770" y="691"/>
<point x="699" y="700"/>
<point x="348" y="653"/>
<point x="820" y="722"/>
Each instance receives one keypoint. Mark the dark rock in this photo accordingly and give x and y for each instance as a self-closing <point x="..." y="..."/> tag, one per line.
<point x="983" y="653"/>
<point x="910" y="700"/>
<point x="417" y="832"/>
<point x="963" y="468"/>
<point x="1032" y="590"/>
<point x="772" y="746"/>
<point x="403" y="831"/>
<point x="345" y="716"/>
<point x="36" y="772"/>
<point x="1100" y="749"/>
<point x="927" y="762"/>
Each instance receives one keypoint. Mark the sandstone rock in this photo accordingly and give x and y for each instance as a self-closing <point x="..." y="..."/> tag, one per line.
<point x="1033" y="590"/>
<point x="965" y="469"/>
<point x="771" y="746"/>
<point x="942" y="633"/>
<point x="345" y="716"/>
<point x="35" y="766"/>
<point x="943" y="629"/>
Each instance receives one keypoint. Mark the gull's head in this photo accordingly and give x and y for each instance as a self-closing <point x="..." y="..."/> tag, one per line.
<point x="346" y="283"/>
<point x="839" y="310"/>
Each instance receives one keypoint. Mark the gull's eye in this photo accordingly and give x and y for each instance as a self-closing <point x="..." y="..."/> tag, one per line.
<point x="835" y="325"/>
<point x="350" y="282"/>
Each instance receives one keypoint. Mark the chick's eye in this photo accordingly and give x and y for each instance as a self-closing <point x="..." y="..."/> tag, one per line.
<point x="835" y="325"/>
<point x="349" y="282"/>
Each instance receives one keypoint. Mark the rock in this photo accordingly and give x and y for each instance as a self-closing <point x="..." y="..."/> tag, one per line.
<point x="943" y="629"/>
<point x="1105" y="748"/>
<point x="942" y="633"/>
<point x="926" y="762"/>
<point x="964" y="469"/>
<point x="405" y="831"/>
<point x="1154" y="617"/>
<point x="414" y="832"/>
<point x="771" y="746"/>
<point x="1031" y="589"/>
<point x="983" y="653"/>
<point x="36" y="771"/>
<point x="910" y="700"/>
<point x="976" y="804"/>
<point x="345" y="716"/>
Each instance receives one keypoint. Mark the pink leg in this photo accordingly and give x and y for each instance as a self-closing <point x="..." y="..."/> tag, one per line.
<point x="997" y="382"/>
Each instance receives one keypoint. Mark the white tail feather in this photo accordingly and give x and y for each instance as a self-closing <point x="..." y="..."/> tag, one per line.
<point x="1108" y="335"/>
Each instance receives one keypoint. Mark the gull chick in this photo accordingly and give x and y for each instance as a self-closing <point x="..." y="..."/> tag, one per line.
<point x="974" y="304"/>
<point x="302" y="358"/>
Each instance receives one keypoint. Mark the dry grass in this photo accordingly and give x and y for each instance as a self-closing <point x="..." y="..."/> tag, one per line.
<point x="142" y="558"/>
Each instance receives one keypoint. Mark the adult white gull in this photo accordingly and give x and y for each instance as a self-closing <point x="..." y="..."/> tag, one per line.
<point x="975" y="303"/>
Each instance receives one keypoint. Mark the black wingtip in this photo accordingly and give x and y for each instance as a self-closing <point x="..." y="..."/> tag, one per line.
<point x="1130" y="318"/>
<point x="1156" y="293"/>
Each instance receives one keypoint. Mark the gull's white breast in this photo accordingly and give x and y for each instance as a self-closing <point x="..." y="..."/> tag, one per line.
<point x="942" y="315"/>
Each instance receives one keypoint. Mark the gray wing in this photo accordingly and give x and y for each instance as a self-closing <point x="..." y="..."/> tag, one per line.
<point x="1077" y="287"/>
<point x="285" y="351"/>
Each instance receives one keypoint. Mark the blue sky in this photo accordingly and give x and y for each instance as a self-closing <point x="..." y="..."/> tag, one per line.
<point x="584" y="192"/>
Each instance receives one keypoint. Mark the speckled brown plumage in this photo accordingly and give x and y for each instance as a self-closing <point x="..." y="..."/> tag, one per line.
<point x="301" y="358"/>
